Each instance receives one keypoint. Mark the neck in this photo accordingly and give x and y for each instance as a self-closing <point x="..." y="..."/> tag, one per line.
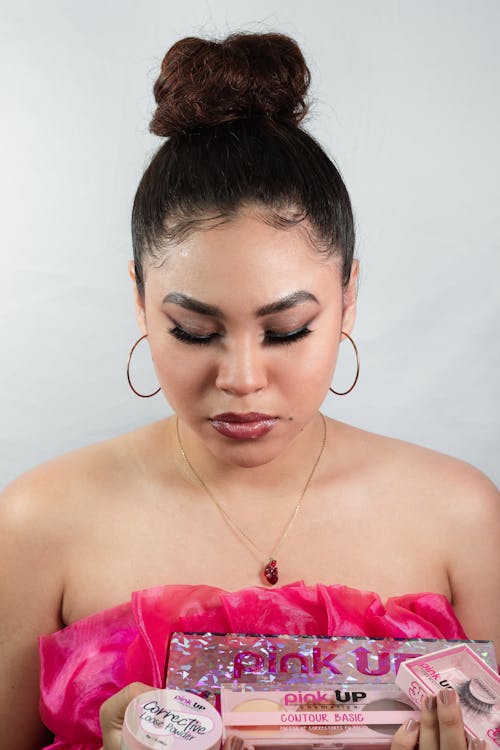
<point x="285" y="473"/>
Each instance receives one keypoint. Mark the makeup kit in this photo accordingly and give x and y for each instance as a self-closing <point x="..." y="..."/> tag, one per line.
<point x="308" y="692"/>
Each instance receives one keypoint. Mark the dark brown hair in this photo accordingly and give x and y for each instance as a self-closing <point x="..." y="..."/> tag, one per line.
<point x="230" y="111"/>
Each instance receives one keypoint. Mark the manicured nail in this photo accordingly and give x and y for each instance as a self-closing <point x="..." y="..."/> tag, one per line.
<point x="412" y="725"/>
<point x="236" y="743"/>
<point x="430" y="702"/>
<point x="477" y="744"/>
<point x="447" y="697"/>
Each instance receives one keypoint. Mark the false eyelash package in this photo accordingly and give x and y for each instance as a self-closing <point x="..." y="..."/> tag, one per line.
<point x="477" y="686"/>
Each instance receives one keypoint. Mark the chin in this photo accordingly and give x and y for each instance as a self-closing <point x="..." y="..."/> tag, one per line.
<point x="245" y="463"/>
<point x="248" y="455"/>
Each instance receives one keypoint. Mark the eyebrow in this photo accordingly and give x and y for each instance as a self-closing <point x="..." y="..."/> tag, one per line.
<point x="291" y="300"/>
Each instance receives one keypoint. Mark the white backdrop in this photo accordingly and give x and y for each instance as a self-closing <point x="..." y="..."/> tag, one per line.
<point x="405" y="99"/>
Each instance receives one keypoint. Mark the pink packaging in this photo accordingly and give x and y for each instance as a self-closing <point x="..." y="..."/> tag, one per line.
<point x="477" y="686"/>
<point x="171" y="719"/>
<point x="352" y="715"/>
<point x="202" y="662"/>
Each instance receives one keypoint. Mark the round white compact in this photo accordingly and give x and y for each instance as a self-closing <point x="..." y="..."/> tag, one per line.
<point x="171" y="720"/>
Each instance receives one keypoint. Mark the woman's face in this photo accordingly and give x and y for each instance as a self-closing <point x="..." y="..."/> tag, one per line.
<point x="244" y="323"/>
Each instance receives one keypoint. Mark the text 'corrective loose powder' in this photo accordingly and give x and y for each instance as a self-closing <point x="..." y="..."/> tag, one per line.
<point x="172" y="719"/>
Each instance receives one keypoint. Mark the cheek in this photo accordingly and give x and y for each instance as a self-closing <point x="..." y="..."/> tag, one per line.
<point x="308" y="370"/>
<point x="183" y="372"/>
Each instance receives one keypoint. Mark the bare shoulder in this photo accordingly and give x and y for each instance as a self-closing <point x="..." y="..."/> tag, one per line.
<point x="440" y="498"/>
<point x="442" y="510"/>
<point x="420" y="474"/>
<point x="61" y="491"/>
<point x="43" y="516"/>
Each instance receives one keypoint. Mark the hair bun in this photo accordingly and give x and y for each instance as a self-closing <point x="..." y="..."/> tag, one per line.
<point x="204" y="83"/>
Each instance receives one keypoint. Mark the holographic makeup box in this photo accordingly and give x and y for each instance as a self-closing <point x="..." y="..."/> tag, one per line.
<point x="202" y="662"/>
<point x="303" y="691"/>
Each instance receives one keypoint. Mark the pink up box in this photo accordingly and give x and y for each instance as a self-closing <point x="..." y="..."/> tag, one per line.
<point x="202" y="662"/>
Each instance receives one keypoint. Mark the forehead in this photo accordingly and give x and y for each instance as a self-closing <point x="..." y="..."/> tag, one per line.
<point x="245" y="255"/>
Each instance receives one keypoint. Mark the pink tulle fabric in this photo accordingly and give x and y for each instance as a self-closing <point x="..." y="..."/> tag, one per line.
<point x="85" y="663"/>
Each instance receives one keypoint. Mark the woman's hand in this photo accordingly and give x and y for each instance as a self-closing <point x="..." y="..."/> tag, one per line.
<point x="113" y="711"/>
<point x="441" y="727"/>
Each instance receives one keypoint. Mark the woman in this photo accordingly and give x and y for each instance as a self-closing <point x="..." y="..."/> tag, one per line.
<point x="245" y="285"/>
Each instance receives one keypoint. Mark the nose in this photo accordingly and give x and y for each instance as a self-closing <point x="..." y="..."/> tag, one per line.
<point x="242" y="367"/>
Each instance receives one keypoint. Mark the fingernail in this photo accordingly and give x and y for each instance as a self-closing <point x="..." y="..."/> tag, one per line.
<point x="236" y="743"/>
<point x="476" y="744"/>
<point x="430" y="702"/>
<point x="447" y="697"/>
<point x="411" y="725"/>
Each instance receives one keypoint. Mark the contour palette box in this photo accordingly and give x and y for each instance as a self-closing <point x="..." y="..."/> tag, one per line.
<point x="203" y="662"/>
<point x="353" y="715"/>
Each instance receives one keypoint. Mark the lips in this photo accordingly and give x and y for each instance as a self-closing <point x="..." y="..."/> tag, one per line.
<point x="251" y="416"/>
<point x="247" y="426"/>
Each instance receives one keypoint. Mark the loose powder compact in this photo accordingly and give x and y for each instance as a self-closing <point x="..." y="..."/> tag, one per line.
<point x="172" y="719"/>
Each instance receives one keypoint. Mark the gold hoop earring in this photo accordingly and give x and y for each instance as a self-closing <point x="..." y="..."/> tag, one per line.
<point x="343" y="393"/>
<point x="142" y="395"/>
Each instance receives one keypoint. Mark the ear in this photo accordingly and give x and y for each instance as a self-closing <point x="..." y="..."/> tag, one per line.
<point x="140" y="311"/>
<point x="350" y="297"/>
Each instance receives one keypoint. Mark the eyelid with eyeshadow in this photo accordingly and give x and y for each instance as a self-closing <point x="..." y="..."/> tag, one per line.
<point x="272" y="337"/>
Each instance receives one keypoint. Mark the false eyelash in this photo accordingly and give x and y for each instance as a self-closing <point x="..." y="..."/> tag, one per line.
<point x="288" y="338"/>
<point x="272" y="339"/>
<point x="181" y="335"/>
<point x="470" y="701"/>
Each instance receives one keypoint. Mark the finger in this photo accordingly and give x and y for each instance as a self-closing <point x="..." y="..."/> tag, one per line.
<point x="112" y="712"/>
<point x="429" y="726"/>
<point x="113" y="709"/>
<point x="232" y="742"/>
<point x="451" y="726"/>
<point x="406" y="738"/>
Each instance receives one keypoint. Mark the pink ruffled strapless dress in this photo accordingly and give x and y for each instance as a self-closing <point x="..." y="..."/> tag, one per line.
<point x="88" y="661"/>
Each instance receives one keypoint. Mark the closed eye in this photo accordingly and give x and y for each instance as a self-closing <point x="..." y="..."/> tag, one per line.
<point x="181" y="335"/>
<point x="274" y="338"/>
<point x="271" y="338"/>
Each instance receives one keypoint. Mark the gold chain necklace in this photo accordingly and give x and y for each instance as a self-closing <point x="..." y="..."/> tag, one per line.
<point x="270" y="571"/>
